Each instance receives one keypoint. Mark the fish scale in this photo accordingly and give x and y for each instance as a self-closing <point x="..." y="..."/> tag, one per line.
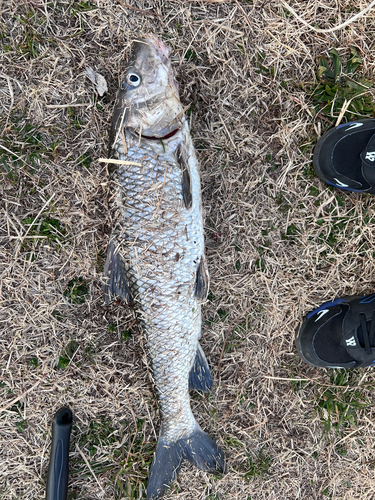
<point x="155" y="258"/>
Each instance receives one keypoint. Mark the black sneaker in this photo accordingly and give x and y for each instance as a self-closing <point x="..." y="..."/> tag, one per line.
<point x="344" y="157"/>
<point x="339" y="334"/>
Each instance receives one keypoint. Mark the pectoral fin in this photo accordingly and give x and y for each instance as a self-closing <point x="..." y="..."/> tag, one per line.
<point x="114" y="276"/>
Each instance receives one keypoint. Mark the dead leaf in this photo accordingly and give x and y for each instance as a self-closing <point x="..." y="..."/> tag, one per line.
<point x="98" y="80"/>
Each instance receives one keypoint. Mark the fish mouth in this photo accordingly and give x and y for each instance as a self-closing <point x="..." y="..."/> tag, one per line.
<point x="168" y="136"/>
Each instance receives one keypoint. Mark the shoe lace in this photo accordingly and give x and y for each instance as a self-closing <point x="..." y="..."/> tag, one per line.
<point x="368" y="332"/>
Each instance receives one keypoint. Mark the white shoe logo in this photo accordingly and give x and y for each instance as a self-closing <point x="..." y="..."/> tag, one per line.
<point x="370" y="156"/>
<point x="355" y="125"/>
<point x="321" y="314"/>
<point x="351" y="342"/>
<point x="340" y="183"/>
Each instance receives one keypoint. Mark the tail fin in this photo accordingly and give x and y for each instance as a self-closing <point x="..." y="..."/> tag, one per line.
<point x="165" y="467"/>
<point x="198" y="448"/>
<point x="203" y="452"/>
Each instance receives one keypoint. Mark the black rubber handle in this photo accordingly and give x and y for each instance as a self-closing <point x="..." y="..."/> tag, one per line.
<point x="57" y="482"/>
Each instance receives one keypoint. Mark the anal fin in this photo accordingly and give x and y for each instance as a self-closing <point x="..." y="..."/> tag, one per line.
<point x="114" y="277"/>
<point x="202" y="282"/>
<point x="200" y="378"/>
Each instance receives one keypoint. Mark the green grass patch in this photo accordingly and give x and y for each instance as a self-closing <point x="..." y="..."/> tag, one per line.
<point x="190" y="55"/>
<point x="67" y="356"/>
<point x="335" y="229"/>
<point x="76" y="122"/>
<point x="47" y="227"/>
<point x="30" y="21"/>
<point x="291" y="232"/>
<point x="259" y="265"/>
<point x="58" y="315"/>
<point x="24" y="147"/>
<point x="83" y="7"/>
<point x="33" y="362"/>
<point x="232" y="442"/>
<point x="128" y="466"/>
<point x="232" y="341"/>
<point x="76" y="291"/>
<point x="22" y="425"/>
<point x="100" y="433"/>
<point x="340" y="82"/>
<point x="125" y="335"/>
<point x="298" y="385"/>
<point x="283" y="205"/>
<point x="221" y="315"/>
<point x="258" y="465"/>
<point x="85" y="160"/>
<point x="262" y="68"/>
<point x="309" y="172"/>
<point x="338" y="405"/>
<point x="17" y="408"/>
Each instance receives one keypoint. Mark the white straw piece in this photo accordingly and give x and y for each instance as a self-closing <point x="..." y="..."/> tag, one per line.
<point x="119" y="162"/>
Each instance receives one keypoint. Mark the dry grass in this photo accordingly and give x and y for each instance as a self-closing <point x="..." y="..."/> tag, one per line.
<point x="278" y="243"/>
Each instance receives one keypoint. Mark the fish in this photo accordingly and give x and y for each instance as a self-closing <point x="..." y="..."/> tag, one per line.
<point x="155" y="258"/>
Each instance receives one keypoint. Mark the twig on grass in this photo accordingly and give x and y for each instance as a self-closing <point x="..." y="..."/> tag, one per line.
<point x="32" y="224"/>
<point x="89" y="466"/>
<point x="243" y="12"/>
<point x="61" y="106"/>
<point x="14" y="401"/>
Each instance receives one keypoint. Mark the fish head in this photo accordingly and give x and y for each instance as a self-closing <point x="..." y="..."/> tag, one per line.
<point x="148" y="103"/>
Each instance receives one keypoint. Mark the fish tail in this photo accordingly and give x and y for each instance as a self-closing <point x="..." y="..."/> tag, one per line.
<point x="203" y="452"/>
<point x="198" y="448"/>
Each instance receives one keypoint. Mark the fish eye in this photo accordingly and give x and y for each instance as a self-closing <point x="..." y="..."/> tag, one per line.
<point x="133" y="79"/>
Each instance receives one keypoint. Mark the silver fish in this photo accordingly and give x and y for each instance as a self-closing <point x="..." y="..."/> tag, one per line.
<point x="155" y="257"/>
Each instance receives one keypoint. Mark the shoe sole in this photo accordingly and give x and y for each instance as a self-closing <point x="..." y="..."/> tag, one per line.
<point x="317" y="150"/>
<point x="298" y="343"/>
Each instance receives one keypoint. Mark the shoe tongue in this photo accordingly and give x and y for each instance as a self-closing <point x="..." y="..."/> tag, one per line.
<point x="368" y="161"/>
<point x="360" y="336"/>
<point x="350" y="329"/>
<point x="361" y="340"/>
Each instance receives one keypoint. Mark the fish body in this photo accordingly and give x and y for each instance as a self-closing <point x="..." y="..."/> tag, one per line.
<point x="155" y="257"/>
